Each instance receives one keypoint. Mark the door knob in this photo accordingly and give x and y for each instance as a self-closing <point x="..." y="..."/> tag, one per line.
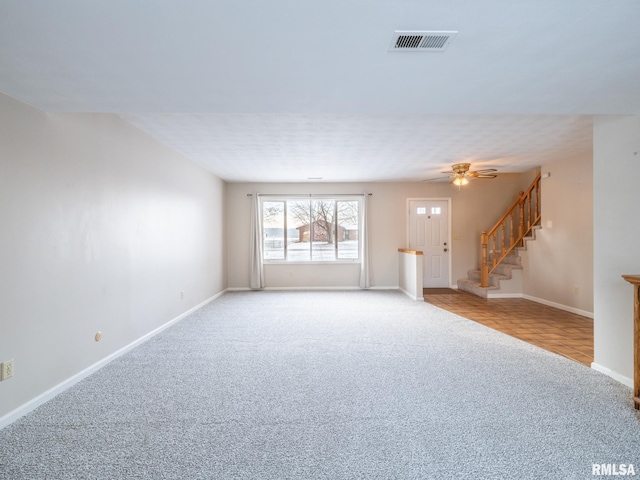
<point x="446" y="249"/>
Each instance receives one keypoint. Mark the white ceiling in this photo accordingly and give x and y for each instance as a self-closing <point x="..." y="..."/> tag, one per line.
<point x="279" y="90"/>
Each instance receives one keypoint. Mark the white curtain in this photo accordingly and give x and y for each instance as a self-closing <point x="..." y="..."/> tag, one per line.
<point x="256" y="254"/>
<point x="365" y="281"/>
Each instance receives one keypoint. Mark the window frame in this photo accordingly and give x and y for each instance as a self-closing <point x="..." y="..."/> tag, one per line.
<point x="310" y="198"/>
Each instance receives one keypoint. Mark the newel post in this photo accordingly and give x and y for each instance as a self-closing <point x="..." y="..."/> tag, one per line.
<point x="484" y="266"/>
<point x="635" y="281"/>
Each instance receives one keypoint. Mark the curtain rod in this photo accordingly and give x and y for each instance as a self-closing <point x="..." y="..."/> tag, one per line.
<point x="310" y="194"/>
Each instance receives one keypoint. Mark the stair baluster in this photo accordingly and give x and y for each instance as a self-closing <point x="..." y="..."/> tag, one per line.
<point x="511" y="223"/>
<point x="484" y="272"/>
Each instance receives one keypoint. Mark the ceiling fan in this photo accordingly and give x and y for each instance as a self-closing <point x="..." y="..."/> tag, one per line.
<point x="460" y="174"/>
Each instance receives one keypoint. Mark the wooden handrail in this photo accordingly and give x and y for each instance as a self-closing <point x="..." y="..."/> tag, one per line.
<point x="525" y="212"/>
<point x="534" y="185"/>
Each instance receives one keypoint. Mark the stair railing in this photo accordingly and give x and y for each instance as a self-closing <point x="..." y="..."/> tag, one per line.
<point x="496" y="244"/>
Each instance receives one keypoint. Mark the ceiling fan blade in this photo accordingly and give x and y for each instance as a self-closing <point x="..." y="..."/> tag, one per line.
<point x="485" y="175"/>
<point x="436" y="178"/>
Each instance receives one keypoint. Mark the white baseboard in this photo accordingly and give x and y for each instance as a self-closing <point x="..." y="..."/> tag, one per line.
<point x="505" y="295"/>
<point x="610" y="373"/>
<point x="246" y="289"/>
<point x="410" y="295"/>
<point x="559" y="306"/>
<point x="34" y="403"/>
<point x="346" y="287"/>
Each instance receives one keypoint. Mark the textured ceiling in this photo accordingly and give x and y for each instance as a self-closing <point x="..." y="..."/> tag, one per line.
<point x="281" y="91"/>
<point x="294" y="147"/>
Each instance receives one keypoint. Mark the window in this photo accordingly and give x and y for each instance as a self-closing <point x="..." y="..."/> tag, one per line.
<point x="311" y="229"/>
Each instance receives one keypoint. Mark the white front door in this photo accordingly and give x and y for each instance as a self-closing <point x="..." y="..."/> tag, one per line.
<point x="429" y="232"/>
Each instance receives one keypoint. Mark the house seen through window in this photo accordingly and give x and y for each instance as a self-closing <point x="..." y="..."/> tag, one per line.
<point x="311" y="229"/>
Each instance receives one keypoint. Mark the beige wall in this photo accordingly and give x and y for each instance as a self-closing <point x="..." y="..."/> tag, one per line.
<point x="475" y="207"/>
<point x="561" y="258"/>
<point x="102" y="228"/>
<point x="616" y="168"/>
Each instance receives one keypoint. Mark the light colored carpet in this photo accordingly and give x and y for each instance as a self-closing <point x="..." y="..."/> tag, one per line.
<point x="328" y="385"/>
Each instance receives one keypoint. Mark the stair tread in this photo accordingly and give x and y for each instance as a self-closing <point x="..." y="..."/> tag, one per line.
<point x="477" y="284"/>
<point x="509" y="266"/>
<point x="494" y="274"/>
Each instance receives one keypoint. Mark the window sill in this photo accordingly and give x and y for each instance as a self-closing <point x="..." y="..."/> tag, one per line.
<point x="317" y="262"/>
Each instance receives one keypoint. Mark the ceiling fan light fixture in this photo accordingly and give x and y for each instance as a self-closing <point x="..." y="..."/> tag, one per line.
<point x="460" y="180"/>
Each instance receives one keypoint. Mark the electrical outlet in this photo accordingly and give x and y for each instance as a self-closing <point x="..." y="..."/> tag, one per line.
<point x="6" y="370"/>
<point x="576" y="289"/>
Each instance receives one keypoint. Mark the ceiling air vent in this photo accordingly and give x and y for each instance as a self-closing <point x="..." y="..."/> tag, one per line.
<point x="404" y="41"/>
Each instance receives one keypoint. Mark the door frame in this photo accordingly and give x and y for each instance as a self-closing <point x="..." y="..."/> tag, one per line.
<point x="449" y="214"/>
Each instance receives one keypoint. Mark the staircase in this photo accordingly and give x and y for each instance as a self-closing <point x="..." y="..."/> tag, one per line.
<point x="500" y="259"/>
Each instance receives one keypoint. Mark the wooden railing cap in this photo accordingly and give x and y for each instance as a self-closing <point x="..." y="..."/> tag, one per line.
<point x="635" y="279"/>
<point x="410" y="252"/>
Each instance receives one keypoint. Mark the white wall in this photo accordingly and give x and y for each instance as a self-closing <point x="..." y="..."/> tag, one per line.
<point x="410" y="274"/>
<point x="561" y="257"/>
<point x="616" y="162"/>
<point x="101" y="229"/>
<point x="475" y="207"/>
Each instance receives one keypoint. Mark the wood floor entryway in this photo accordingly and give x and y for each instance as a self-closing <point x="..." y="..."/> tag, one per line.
<point x="564" y="333"/>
